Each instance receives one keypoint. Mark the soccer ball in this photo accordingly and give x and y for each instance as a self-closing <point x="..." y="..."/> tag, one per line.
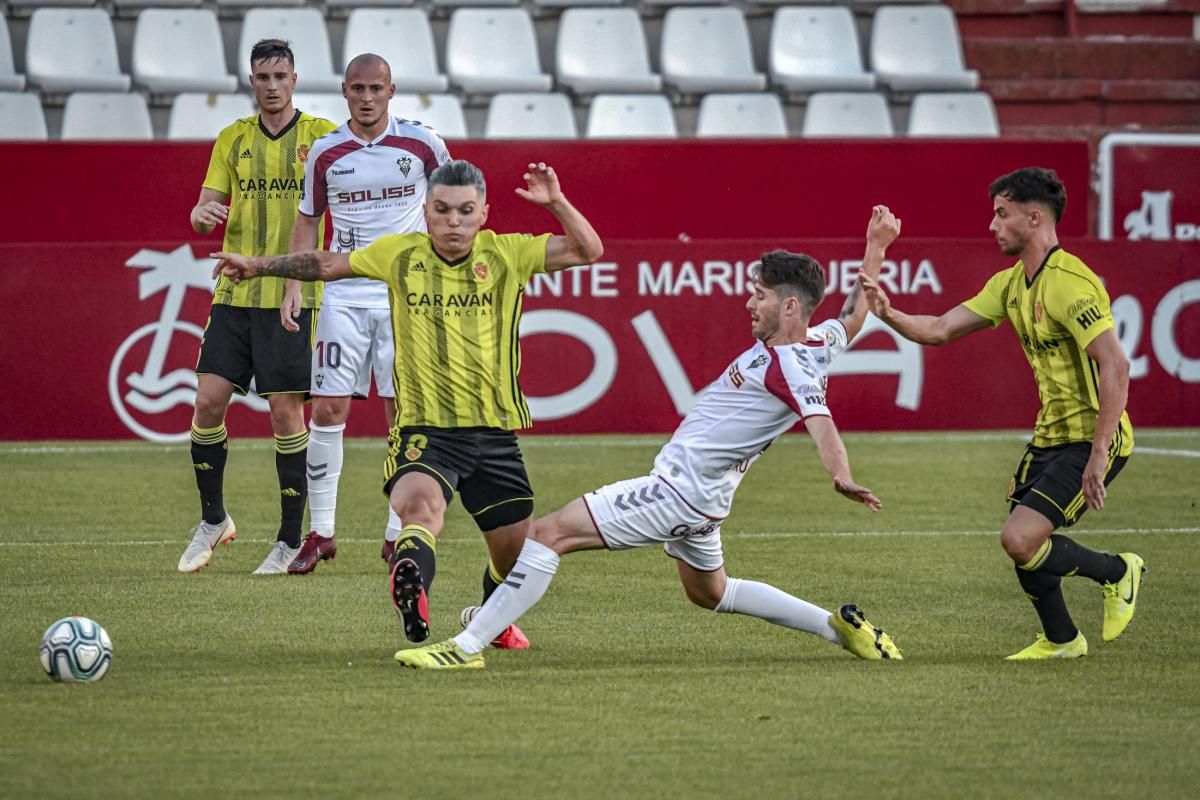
<point x="76" y="650"/>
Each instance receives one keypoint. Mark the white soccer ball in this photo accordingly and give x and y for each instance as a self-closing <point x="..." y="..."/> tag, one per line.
<point x="76" y="650"/>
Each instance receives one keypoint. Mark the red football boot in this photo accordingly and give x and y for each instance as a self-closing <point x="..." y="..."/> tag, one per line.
<point x="315" y="548"/>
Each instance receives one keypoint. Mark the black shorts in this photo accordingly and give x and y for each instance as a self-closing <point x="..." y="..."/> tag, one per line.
<point x="1050" y="480"/>
<point x="483" y="465"/>
<point x="243" y="343"/>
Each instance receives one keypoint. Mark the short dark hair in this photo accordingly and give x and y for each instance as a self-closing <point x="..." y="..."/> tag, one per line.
<point x="1032" y="185"/>
<point x="459" y="173"/>
<point x="271" y="50"/>
<point x="793" y="275"/>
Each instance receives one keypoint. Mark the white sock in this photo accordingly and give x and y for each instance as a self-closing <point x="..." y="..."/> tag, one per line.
<point x="524" y="585"/>
<point x="764" y="601"/>
<point x="324" y="469"/>
<point x="394" y="525"/>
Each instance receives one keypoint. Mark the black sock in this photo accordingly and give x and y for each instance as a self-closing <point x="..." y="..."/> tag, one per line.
<point x="418" y="543"/>
<point x="290" y="455"/>
<point x="210" y="449"/>
<point x="1068" y="557"/>
<point x="1045" y="590"/>
<point x="491" y="581"/>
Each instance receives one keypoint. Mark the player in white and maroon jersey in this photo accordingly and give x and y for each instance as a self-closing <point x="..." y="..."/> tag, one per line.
<point x="370" y="174"/>
<point x="682" y="502"/>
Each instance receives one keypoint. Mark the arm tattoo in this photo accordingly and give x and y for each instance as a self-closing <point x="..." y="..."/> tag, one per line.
<point x="851" y="301"/>
<point x="301" y="266"/>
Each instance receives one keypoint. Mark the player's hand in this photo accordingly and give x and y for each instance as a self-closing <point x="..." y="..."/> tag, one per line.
<point x="541" y="185"/>
<point x="859" y="494"/>
<point x="883" y="228"/>
<point x="210" y="214"/>
<point x="290" y="309"/>
<point x="877" y="299"/>
<point x="233" y="266"/>
<point x="1093" y="480"/>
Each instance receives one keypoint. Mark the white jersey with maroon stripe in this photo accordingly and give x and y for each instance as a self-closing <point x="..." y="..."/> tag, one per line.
<point x="762" y="394"/>
<point x="371" y="189"/>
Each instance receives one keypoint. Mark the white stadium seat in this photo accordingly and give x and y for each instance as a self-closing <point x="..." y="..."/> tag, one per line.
<point x="442" y="112"/>
<point x="575" y="3"/>
<point x="70" y="49"/>
<point x="326" y="105"/>
<point x="604" y="50"/>
<point x="473" y="3"/>
<point x="403" y="38"/>
<point x="21" y="116"/>
<point x="180" y="51"/>
<point x="815" y="49"/>
<point x="305" y="29"/>
<point x="917" y="48"/>
<point x="530" y="115"/>
<point x="847" y="114"/>
<point x="340" y="5"/>
<point x="240" y="4"/>
<point x="196" y="115"/>
<point x="953" y="114"/>
<point x="10" y="79"/>
<point x="749" y="115"/>
<point x="708" y="50"/>
<point x="107" y="115"/>
<point x="130" y="7"/>
<point x="631" y="116"/>
<point x="494" y="50"/>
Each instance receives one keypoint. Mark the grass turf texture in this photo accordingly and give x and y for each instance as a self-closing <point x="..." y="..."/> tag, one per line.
<point x="227" y="685"/>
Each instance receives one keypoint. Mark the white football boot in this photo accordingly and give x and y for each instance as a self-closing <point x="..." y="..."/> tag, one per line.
<point x="204" y="538"/>
<point x="277" y="561"/>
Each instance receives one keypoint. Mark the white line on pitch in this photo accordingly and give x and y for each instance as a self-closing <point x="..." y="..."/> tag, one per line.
<point x="727" y="535"/>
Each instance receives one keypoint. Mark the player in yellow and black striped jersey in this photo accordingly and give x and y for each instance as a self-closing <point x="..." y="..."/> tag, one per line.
<point x="455" y="295"/>
<point x="1083" y="437"/>
<point x="254" y="184"/>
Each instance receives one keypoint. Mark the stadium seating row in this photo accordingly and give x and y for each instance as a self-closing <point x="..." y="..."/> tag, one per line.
<point x="524" y="115"/>
<point x="494" y="50"/>
<point x="234" y="5"/>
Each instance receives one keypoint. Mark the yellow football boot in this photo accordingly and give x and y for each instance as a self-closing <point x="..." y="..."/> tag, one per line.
<point x="1121" y="597"/>
<point x="1043" y="648"/>
<point x="443" y="655"/>
<point x="861" y="637"/>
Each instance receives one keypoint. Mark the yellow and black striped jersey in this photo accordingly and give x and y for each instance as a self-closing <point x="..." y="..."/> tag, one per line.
<point x="1056" y="316"/>
<point x="263" y="177"/>
<point x="456" y="326"/>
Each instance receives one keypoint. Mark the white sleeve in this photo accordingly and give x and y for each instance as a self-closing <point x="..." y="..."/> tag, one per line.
<point x="833" y="332"/>
<point x="794" y="378"/>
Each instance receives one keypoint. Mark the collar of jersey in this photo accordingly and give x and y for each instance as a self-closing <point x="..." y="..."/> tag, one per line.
<point x="282" y="131"/>
<point x="1042" y="266"/>
<point x="453" y="264"/>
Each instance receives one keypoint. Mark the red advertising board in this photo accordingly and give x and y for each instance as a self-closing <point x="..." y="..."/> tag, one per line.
<point x="100" y="340"/>
<point x="122" y="192"/>
<point x="1150" y="187"/>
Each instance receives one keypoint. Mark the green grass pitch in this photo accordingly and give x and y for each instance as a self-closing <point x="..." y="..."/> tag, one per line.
<point x="224" y="685"/>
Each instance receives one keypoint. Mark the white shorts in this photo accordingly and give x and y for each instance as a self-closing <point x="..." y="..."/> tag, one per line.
<point x="351" y="344"/>
<point x="645" y="511"/>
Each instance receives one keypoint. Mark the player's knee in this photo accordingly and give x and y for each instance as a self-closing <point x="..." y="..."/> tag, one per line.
<point x="328" y="412"/>
<point x="423" y="508"/>
<point x="1019" y="547"/>
<point x="210" y="411"/>
<point x="550" y="532"/>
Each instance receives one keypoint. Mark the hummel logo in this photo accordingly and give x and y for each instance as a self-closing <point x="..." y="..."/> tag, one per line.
<point x="290" y="492"/>
<point x="245" y="153"/>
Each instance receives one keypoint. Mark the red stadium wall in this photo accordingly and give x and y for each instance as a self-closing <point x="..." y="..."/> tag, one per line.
<point x="109" y="290"/>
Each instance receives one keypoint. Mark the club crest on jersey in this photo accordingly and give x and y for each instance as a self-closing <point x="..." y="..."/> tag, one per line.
<point x="302" y="153"/>
<point x="481" y="271"/>
<point x="416" y="445"/>
<point x="757" y="362"/>
<point x="830" y="338"/>
<point x="405" y="165"/>
<point x="319" y="379"/>
<point x="1038" y="311"/>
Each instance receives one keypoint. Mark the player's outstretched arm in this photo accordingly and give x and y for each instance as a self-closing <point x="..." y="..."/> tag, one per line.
<point x="920" y="328"/>
<point x="1113" y="365"/>
<point x="581" y="244"/>
<point x="882" y="230"/>
<point x="210" y="211"/>
<point x="314" y="265"/>
<point x="304" y="237"/>
<point x="837" y="463"/>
